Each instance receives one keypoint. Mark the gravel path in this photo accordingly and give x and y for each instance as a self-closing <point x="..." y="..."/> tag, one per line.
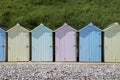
<point x="59" y="71"/>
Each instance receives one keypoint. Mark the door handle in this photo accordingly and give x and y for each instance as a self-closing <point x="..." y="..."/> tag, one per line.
<point x="2" y="35"/>
<point x="27" y="46"/>
<point x="99" y="45"/>
<point x="3" y="46"/>
<point x="75" y="45"/>
<point x="51" y="46"/>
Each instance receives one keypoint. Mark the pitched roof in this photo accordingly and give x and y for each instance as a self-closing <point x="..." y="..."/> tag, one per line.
<point x="65" y="25"/>
<point x="90" y="25"/>
<point x="17" y="25"/>
<point x="41" y="25"/>
<point x="111" y="25"/>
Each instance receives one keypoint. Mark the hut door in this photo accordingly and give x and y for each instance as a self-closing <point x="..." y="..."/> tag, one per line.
<point x="70" y="46"/>
<point x="13" y="45"/>
<point x="84" y="46"/>
<point x="47" y="47"/>
<point x="90" y="45"/>
<point x="23" y="46"/>
<point x="2" y="46"/>
<point x="95" y="45"/>
<point x="115" y="45"/>
<point x="26" y="45"/>
<point x="59" y="44"/>
<point x="108" y="46"/>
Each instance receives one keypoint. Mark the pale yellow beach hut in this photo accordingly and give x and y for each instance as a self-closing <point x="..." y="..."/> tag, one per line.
<point x="18" y="43"/>
<point x="112" y="43"/>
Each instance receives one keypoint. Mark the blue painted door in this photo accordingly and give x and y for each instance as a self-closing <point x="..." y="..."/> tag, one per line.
<point x="42" y="49"/>
<point x="2" y="45"/>
<point x="90" y="44"/>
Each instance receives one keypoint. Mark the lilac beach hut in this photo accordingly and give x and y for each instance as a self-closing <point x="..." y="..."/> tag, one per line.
<point x="65" y="43"/>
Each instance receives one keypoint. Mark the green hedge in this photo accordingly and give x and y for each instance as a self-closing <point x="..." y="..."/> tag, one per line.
<point x="53" y="13"/>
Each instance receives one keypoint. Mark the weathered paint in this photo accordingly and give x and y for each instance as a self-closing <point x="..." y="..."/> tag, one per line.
<point x="112" y="43"/>
<point x="18" y="44"/>
<point x="42" y="49"/>
<point x="2" y="44"/>
<point x="65" y="43"/>
<point x="90" y="43"/>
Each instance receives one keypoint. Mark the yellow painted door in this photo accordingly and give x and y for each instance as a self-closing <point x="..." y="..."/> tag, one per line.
<point x="108" y="42"/>
<point x="23" y="43"/>
<point x="12" y="45"/>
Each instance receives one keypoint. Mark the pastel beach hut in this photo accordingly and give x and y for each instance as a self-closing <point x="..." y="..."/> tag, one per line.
<point x="18" y="43"/>
<point x="90" y="43"/>
<point x="42" y="43"/>
<point x="65" y="43"/>
<point x="112" y="43"/>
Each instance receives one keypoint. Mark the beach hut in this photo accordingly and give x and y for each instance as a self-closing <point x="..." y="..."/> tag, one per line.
<point x="90" y="43"/>
<point x="18" y="43"/>
<point x="42" y="44"/>
<point x="2" y="45"/>
<point x="65" y="43"/>
<point x="112" y="43"/>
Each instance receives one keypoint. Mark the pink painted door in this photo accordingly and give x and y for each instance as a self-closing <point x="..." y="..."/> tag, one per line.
<point x="65" y="43"/>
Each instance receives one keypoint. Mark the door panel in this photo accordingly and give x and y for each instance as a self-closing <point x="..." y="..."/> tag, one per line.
<point x="84" y="46"/>
<point x="23" y="42"/>
<point x="95" y="46"/>
<point x="47" y="46"/>
<point x="12" y="45"/>
<point x="2" y="46"/>
<point x="116" y="45"/>
<point x="42" y="44"/>
<point x="108" y="45"/>
<point x="70" y="46"/>
<point x="90" y="45"/>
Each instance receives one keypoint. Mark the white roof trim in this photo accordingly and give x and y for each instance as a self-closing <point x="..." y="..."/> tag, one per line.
<point x="17" y="25"/>
<point x="111" y="25"/>
<point x="40" y="26"/>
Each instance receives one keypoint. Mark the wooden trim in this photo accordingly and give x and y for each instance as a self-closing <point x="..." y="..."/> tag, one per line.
<point x="30" y="44"/>
<point x="77" y="37"/>
<point x="102" y="49"/>
<point x="53" y="37"/>
<point x="6" y="47"/>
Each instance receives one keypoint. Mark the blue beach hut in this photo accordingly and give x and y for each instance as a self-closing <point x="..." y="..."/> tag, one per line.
<point x="90" y="43"/>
